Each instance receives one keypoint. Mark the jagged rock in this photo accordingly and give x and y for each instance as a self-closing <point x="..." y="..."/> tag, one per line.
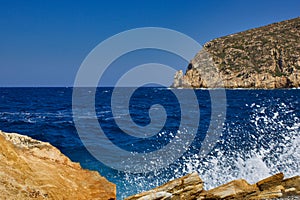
<point x="184" y="188"/>
<point x="234" y="189"/>
<point x="270" y="181"/>
<point x="270" y="193"/>
<point x="190" y="187"/>
<point x="180" y="80"/>
<point x="292" y="186"/>
<point x="265" y="57"/>
<point x="33" y="169"/>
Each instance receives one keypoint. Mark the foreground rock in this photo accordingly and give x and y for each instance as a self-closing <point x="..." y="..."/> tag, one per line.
<point x="187" y="187"/>
<point x="191" y="187"/>
<point x="265" y="57"/>
<point x="30" y="169"/>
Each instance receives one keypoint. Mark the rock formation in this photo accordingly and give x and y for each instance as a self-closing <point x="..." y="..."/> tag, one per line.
<point x="265" y="57"/>
<point x="190" y="187"/>
<point x="187" y="187"/>
<point x="31" y="169"/>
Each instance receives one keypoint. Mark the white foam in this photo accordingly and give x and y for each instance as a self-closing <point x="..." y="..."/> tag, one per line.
<point x="273" y="147"/>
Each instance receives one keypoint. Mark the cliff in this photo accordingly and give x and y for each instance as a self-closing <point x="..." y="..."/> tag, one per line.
<point x="265" y="57"/>
<point x="31" y="169"/>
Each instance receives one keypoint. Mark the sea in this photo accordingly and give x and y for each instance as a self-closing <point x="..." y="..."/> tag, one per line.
<point x="248" y="134"/>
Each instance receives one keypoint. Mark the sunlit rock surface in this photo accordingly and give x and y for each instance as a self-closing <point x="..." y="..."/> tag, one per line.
<point x="31" y="169"/>
<point x="187" y="187"/>
<point x="191" y="187"/>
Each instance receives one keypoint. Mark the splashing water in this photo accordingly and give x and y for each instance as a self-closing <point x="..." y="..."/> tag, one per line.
<point x="272" y="148"/>
<point x="262" y="144"/>
<point x="260" y="137"/>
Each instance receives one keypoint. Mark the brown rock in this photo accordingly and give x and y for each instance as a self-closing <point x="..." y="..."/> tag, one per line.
<point x="184" y="188"/>
<point x="190" y="187"/>
<point x="33" y="169"/>
<point x="292" y="186"/>
<point x="270" y="182"/>
<point x="234" y="189"/>
<point x="271" y="193"/>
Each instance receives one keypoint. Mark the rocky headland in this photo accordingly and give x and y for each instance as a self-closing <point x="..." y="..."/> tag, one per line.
<point x="265" y="57"/>
<point x="31" y="169"/>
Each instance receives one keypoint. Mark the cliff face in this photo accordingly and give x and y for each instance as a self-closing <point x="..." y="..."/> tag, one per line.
<point x="30" y="169"/>
<point x="265" y="57"/>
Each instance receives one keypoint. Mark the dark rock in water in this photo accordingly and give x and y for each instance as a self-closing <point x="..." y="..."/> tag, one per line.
<point x="31" y="169"/>
<point x="191" y="187"/>
<point x="265" y="57"/>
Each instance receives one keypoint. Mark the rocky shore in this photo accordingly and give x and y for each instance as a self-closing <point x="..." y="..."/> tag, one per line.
<point x="190" y="187"/>
<point x="265" y="57"/>
<point x="31" y="169"/>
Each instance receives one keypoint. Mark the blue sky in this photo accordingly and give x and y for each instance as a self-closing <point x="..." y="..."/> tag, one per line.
<point x="42" y="43"/>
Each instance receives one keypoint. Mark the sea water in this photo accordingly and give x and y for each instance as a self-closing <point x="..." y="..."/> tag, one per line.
<point x="260" y="134"/>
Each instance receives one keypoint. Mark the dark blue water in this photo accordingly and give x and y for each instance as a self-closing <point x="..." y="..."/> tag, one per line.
<point x="259" y="134"/>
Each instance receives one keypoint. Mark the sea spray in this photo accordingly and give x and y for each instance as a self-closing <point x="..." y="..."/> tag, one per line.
<point x="260" y="135"/>
<point x="274" y="147"/>
<point x="269" y="144"/>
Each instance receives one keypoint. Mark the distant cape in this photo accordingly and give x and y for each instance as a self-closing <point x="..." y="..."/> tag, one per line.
<point x="265" y="57"/>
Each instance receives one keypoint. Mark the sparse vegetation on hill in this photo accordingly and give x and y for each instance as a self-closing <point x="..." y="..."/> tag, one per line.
<point x="265" y="57"/>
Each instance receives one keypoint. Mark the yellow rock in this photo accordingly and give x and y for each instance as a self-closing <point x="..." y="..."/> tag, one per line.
<point x="33" y="169"/>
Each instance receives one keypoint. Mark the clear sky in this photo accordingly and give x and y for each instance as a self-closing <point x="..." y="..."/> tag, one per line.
<point x="43" y="42"/>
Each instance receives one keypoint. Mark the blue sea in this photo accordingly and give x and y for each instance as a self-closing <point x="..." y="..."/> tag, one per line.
<point x="256" y="132"/>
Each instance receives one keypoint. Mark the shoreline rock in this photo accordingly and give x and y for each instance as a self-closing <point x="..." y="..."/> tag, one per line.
<point x="33" y="169"/>
<point x="186" y="187"/>
<point x="191" y="187"/>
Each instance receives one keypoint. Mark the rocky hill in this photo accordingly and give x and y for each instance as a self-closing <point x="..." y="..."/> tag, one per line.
<point x="265" y="57"/>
